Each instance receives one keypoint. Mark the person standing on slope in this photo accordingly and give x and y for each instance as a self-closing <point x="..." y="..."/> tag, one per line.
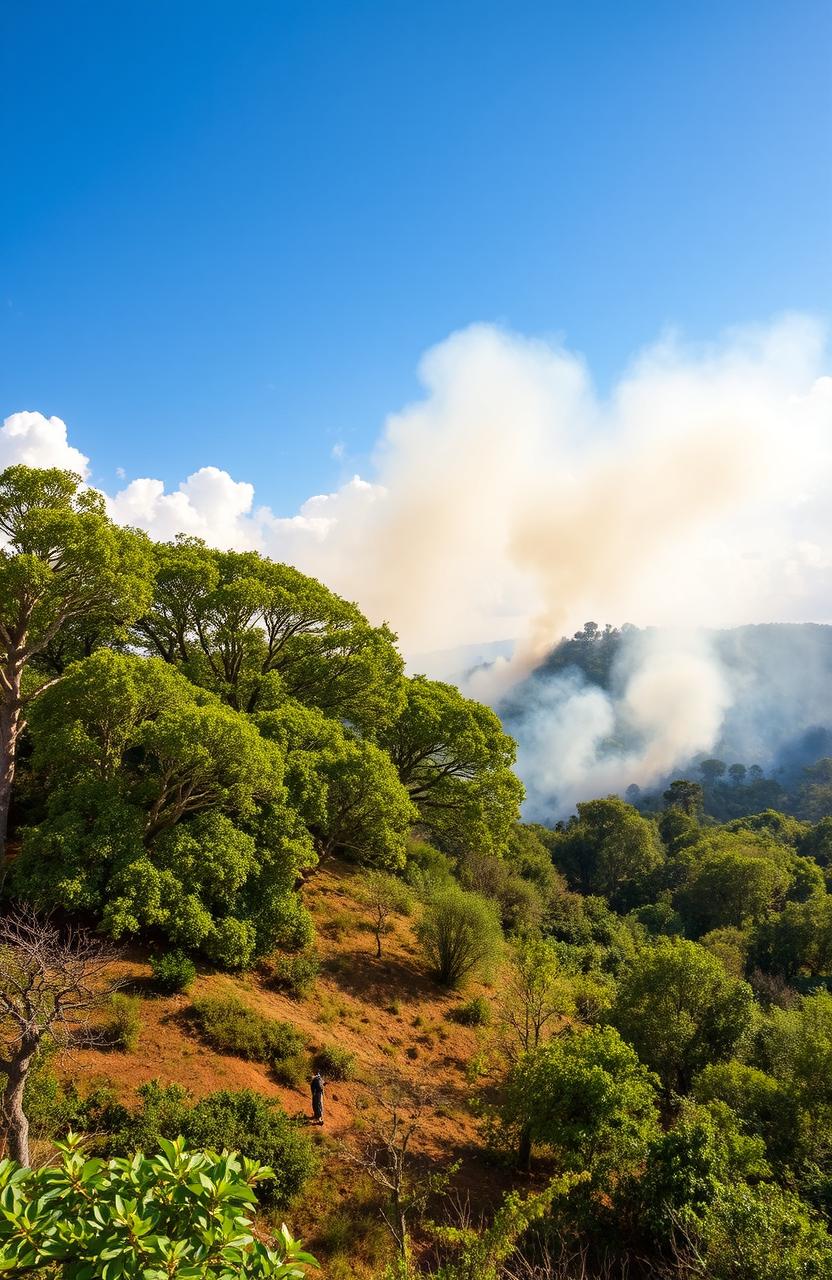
<point x="317" y="1087"/>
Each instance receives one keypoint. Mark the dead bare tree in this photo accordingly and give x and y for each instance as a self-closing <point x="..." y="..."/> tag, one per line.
<point x="386" y="1156"/>
<point x="52" y="981"/>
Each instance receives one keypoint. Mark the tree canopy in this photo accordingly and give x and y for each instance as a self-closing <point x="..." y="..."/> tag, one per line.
<point x="456" y="762"/>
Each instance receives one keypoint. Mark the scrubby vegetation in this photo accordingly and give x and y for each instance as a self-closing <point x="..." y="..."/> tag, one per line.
<point x="194" y="742"/>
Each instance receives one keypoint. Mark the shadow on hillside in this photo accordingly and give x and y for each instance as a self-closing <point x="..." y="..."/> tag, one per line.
<point x="360" y="974"/>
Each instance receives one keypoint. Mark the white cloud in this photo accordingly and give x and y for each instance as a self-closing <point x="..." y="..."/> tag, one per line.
<point x="511" y="500"/>
<point x="37" y="441"/>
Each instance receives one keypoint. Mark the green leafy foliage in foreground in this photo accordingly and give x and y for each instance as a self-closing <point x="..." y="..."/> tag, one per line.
<point x="179" y="1213"/>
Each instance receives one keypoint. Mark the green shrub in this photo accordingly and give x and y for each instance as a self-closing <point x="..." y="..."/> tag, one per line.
<point x="292" y="1070"/>
<point x="335" y="1062"/>
<point x="294" y="974"/>
<point x="125" y="1022"/>
<point x="242" y="1121"/>
<point x="173" y="971"/>
<point x="427" y="869"/>
<point x="473" y="1013"/>
<point x="231" y="944"/>
<point x="293" y="926"/>
<point x="51" y="1106"/>
<point x="460" y="934"/>
<point x="247" y="1122"/>
<point x="766" y="1232"/>
<point x="232" y="1027"/>
<point x="169" y="1197"/>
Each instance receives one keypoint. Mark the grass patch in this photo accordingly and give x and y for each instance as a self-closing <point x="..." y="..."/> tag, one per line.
<point x="232" y="1027"/>
<point x="473" y="1013"/>
<point x="296" y="975"/>
<point x="125" y="1022"/>
<point x="335" y="1062"/>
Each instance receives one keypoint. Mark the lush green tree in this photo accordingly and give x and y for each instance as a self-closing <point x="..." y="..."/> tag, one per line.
<point x="345" y="788"/>
<point x="456" y="762"/>
<point x="680" y="1010"/>
<point x="764" y="1106"/>
<point x="460" y="934"/>
<point x="817" y="842"/>
<point x="583" y="1097"/>
<point x="711" y="771"/>
<point x="179" y="1212"/>
<point x="165" y="810"/>
<point x="685" y="795"/>
<point x="730" y="945"/>
<point x="600" y="937"/>
<point x="678" y="829"/>
<point x="536" y="995"/>
<point x="242" y="625"/>
<point x="608" y="849"/>
<point x="782" y="826"/>
<point x="687" y="1167"/>
<point x="797" y="1049"/>
<point x="760" y="1232"/>
<point x="731" y="887"/>
<point x="63" y="565"/>
<point x="814" y="801"/>
<point x="797" y="939"/>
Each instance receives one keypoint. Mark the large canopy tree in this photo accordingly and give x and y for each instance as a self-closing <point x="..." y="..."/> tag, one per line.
<point x="165" y="808"/>
<point x="680" y="1011"/>
<point x="346" y="789"/>
<point x="456" y="762"/>
<point x="242" y="625"/>
<point x="65" y="569"/>
<point x="608" y="849"/>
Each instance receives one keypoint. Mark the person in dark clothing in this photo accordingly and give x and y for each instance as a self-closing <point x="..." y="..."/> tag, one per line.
<point x="317" y="1087"/>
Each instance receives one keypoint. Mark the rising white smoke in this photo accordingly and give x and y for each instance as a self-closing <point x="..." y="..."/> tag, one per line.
<point x="515" y="501"/>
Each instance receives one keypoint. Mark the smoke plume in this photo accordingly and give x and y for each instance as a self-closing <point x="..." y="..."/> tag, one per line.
<point x="514" y="501"/>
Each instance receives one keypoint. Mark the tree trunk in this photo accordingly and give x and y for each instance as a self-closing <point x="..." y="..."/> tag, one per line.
<point x="14" y="1117"/>
<point x="9" y="733"/>
<point x="524" y="1154"/>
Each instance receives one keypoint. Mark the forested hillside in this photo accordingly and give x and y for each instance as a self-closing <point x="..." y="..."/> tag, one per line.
<point x="772" y="746"/>
<point x="242" y="846"/>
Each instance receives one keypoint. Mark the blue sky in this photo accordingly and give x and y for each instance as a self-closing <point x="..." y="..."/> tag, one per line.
<point x="228" y="231"/>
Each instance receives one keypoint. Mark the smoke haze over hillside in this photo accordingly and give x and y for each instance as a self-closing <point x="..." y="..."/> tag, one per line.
<point x="514" y="500"/>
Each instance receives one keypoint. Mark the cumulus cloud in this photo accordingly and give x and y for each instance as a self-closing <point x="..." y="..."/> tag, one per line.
<point x="38" y="441"/>
<point x="514" y="500"/>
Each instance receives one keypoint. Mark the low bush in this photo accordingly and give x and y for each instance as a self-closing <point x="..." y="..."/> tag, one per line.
<point x="242" y="1121"/>
<point x="247" y="1122"/>
<point x="54" y="1106"/>
<point x="292" y="1070"/>
<point x="125" y="1022"/>
<point x="232" y="1027"/>
<point x="460" y="934"/>
<point x="335" y="1062"/>
<point x="173" y="971"/>
<point x="473" y="1013"/>
<point x="294" y="974"/>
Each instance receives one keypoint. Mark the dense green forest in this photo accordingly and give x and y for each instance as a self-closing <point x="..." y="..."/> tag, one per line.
<point x="186" y="736"/>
